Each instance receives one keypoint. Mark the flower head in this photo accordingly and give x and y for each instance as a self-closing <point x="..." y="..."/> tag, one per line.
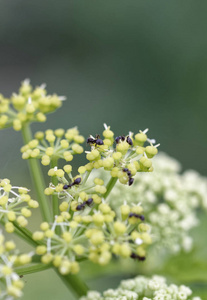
<point x="169" y="200"/>
<point x="53" y="145"/>
<point x="29" y="105"/>
<point x="143" y="288"/>
<point x="94" y="232"/>
<point x="11" y="284"/>
<point x="15" y="205"/>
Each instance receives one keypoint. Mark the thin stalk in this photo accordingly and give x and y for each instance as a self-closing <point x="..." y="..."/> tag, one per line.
<point x="26" y="233"/>
<point x="37" y="178"/>
<point x="32" y="269"/>
<point x="55" y="201"/>
<point x="73" y="282"/>
<point x="110" y="186"/>
<point x="22" y="235"/>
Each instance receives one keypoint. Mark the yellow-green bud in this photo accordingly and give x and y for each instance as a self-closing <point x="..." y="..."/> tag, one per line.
<point x="38" y="235"/>
<point x="59" y="132"/>
<point x="125" y="250"/>
<point x="67" y="236"/>
<point x="59" y="173"/>
<point x="10" y="245"/>
<point x="108" y="162"/>
<point x="77" y="148"/>
<point x="11" y="216"/>
<point x="143" y="227"/>
<point x="107" y="133"/>
<point x="96" y="199"/>
<point x="78" y="249"/>
<point x="140" y="150"/>
<point x="44" y="226"/>
<point x="49" y="233"/>
<point x="82" y="170"/>
<point x="117" y="155"/>
<point x="64" y="144"/>
<point x="125" y="210"/>
<point x="22" y="221"/>
<point x="64" y="206"/>
<point x="49" y="151"/>
<point x="140" y="138"/>
<point x="97" y="238"/>
<point x="74" y="268"/>
<point x="39" y="135"/>
<point x="33" y="203"/>
<point x="47" y="258"/>
<point x="100" y="189"/>
<point x="145" y="162"/>
<point x="40" y="250"/>
<point x="68" y="156"/>
<point x="3" y="200"/>
<point x="151" y="151"/>
<point x="24" y="259"/>
<point x="98" y="219"/>
<point x="119" y="228"/>
<point x="41" y="117"/>
<point x="104" y="208"/>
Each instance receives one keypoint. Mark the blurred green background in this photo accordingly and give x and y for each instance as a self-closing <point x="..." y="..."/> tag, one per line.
<point x="132" y="64"/>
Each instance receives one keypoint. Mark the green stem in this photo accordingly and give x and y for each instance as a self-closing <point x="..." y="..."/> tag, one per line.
<point x="22" y="235"/>
<point x="110" y="186"/>
<point x="32" y="269"/>
<point x="55" y="202"/>
<point x="74" y="284"/>
<point x="26" y="233"/>
<point x="37" y="178"/>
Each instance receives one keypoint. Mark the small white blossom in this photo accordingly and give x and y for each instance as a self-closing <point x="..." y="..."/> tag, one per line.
<point x="141" y="288"/>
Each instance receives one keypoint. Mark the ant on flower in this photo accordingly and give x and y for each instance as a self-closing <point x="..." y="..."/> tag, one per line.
<point x="97" y="141"/>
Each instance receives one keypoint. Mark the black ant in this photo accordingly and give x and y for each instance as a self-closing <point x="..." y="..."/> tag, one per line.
<point x="122" y="138"/>
<point x="77" y="181"/>
<point x="96" y="141"/>
<point x="82" y="205"/>
<point x="131" y="180"/>
<point x="141" y="217"/>
<point x="135" y="256"/>
<point x="129" y="141"/>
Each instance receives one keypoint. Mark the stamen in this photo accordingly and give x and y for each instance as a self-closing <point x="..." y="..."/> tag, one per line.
<point x="26" y="81"/>
<point x="105" y="126"/>
<point x="145" y="131"/>
<point x="43" y="86"/>
<point x="151" y="141"/>
<point x="138" y="241"/>
<point x="29" y="100"/>
<point x="62" y="98"/>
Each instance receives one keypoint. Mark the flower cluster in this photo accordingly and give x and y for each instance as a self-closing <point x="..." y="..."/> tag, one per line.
<point x="53" y="145"/>
<point x="15" y="205"/>
<point x="123" y="160"/>
<point x="87" y="226"/>
<point x="94" y="232"/>
<point x="169" y="200"/>
<point x="114" y="161"/>
<point x="144" y="288"/>
<point x="92" y="217"/>
<point x="28" y="105"/>
<point x="11" y="284"/>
